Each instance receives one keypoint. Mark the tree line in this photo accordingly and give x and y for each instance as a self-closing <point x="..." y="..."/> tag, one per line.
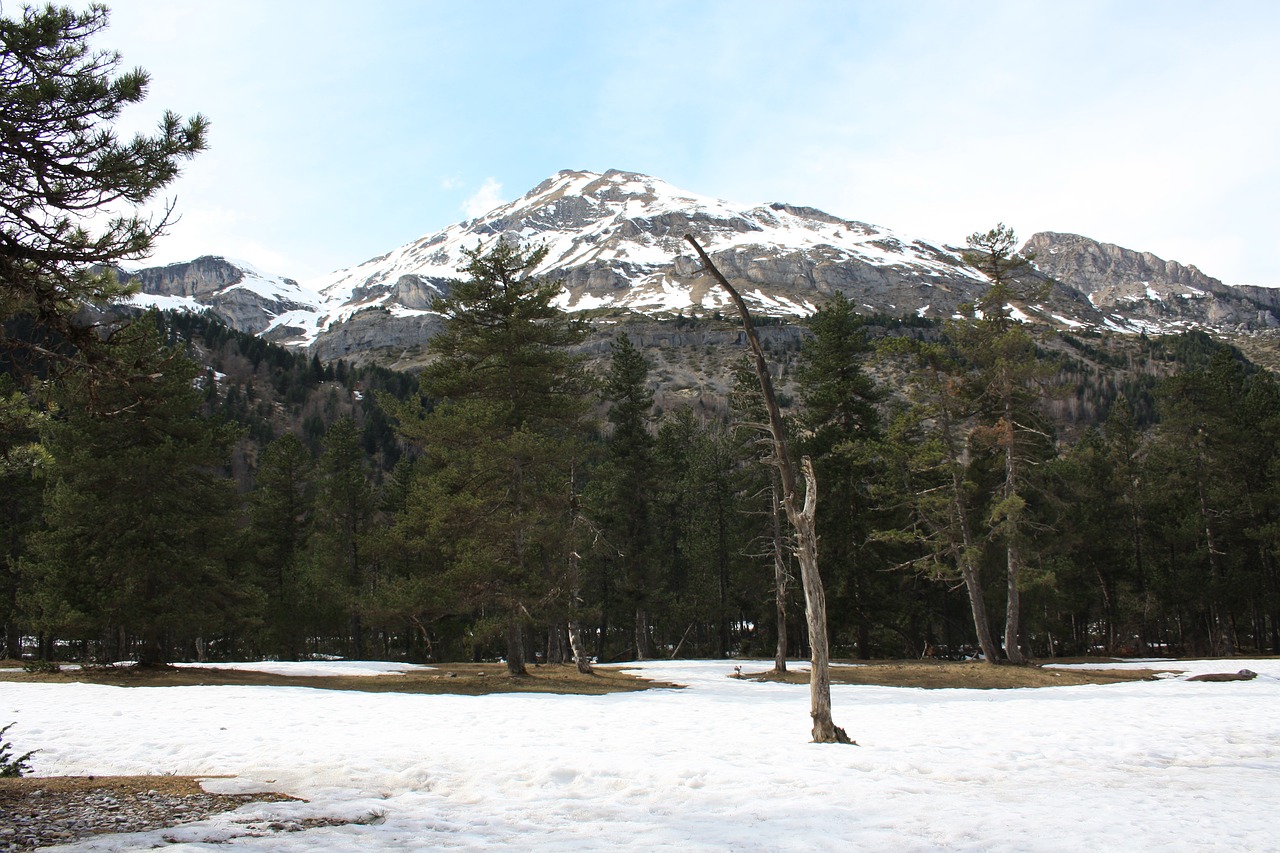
<point x="513" y="523"/>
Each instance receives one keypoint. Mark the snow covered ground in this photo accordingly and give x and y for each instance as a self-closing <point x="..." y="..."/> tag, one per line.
<point x="1169" y="765"/>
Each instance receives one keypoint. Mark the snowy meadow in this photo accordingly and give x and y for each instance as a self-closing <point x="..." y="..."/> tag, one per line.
<point x="722" y="764"/>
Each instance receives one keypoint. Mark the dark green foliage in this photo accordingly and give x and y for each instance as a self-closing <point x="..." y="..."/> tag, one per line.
<point x="499" y="430"/>
<point x="280" y="517"/>
<point x="138" y="508"/>
<point x="61" y="161"/>
<point x="270" y="390"/>
<point x="340" y="565"/>
<point x="840" y="425"/>
<point x="699" y="538"/>
<point x="1154" y="532"/>
<point x="621" y="501"/>
<point x="22" y="463"/>
<point x="12" y="765"/>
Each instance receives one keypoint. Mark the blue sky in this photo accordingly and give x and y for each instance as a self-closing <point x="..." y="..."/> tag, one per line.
<point x="341" y="130"/>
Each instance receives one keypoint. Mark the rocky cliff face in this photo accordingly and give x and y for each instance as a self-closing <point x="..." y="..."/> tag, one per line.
<point x="235" y="292"/>
<point x="1138" y="289"/>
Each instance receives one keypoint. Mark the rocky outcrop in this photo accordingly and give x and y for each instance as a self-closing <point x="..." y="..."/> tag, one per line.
<point x="1131" y="286"/>
<point x="201" y="279"/>
<point x="236" y="294"/>
<point x="378" y="336"/>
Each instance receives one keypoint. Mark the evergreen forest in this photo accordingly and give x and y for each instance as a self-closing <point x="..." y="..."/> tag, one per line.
<point x="985" y="487"/>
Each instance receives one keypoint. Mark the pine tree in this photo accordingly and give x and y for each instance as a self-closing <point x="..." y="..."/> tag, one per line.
<point x="339" y="564"/>
<point x="927" y="443"/>
<point x="22" y="463"/>
<point x="1006" y="382"/>
<point x="503" y="410"/>
<point x="698" y="518"/>
<point x="840" y="424"/>
<point x="61" y="163"/>
<point x="1214" y="449"/>
<point x="624" y="486"/>
<point x="280" y="514"/>
<point x="1011" y="274"/>
<point x="139" y="510"/>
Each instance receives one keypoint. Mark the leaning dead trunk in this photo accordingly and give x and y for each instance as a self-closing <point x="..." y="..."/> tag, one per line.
<point x="802" y="520"/>
<point x="580" y="659"/>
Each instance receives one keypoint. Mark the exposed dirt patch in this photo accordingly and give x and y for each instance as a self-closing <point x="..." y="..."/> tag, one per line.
<point x="178" y="786"/>
<point x="472" y="679"/>
<point x="971" y="674"/>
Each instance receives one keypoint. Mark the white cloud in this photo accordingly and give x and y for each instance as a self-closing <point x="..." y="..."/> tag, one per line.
<point x="484" y="199"/>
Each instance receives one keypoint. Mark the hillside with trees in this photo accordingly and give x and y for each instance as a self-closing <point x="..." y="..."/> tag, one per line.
<point x="352" y="514"/>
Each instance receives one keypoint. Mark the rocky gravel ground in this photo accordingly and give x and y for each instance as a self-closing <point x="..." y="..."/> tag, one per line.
<point x="40" y="812"/>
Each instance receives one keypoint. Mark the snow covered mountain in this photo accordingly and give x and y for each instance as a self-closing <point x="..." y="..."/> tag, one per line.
<point x="617" y="242"/>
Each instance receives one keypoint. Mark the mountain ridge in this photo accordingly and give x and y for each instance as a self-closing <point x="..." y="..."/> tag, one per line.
<point x="616" y="242"/>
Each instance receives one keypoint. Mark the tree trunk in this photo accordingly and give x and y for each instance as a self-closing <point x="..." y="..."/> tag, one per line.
<point x="575" y="581"/>
<point x="824" y="729"/>
<point x="357" y="635"/>
<point x="151" y="652"/>
<point x="515" y="643"/>
<point x="978" y="607"/>
<point x="644" y="649"/>
<point x="802" y="519"/>
<point x="557" y="642"/>
<point x="1013" y="607"/>
<point x="780" y="577"/>
<point x="962" y="553"/>
<point x="1013" y="559"/>
<point x="1222" y="635"/>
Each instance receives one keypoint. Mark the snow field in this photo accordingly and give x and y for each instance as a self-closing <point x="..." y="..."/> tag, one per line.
<point x="722" y="765"/>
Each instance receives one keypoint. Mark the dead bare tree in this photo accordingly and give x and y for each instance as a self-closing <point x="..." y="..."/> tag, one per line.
<point x="801" y="518"/>
<point x="575" y="578"/>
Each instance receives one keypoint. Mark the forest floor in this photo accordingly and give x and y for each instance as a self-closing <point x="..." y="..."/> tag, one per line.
<point x="467" y="679"/>
<point x="939" y="675"/>
<point x="476" y="679"/>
